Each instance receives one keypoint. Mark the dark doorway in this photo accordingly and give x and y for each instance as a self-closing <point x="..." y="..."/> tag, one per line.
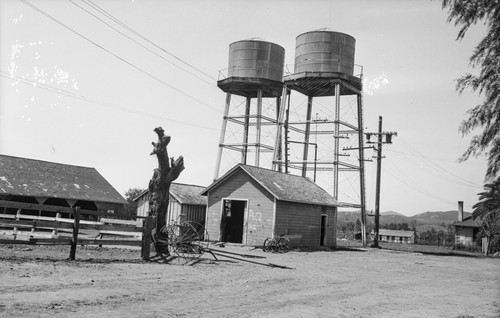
<point x="322" y="238"/>
<point x="232" y="221"/>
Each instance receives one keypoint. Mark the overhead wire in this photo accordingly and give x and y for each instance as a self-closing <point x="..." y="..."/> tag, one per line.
<point x="140" y="44"/>
<point x="401" y="176"/>
<point x="119" y="57"/>
<point x="440" y="170"/>
<point x="84" y="98"/>
<point x="146" y="39"/>
<point x="417" y="189"/>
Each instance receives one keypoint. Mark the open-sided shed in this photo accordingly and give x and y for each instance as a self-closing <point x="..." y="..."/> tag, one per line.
<point x="48" y="183"/>
<point x="249" y="204"/>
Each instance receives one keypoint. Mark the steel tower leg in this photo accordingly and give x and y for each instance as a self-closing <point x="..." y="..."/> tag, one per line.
<point x="278" y="143"/>
<point x="306" y="136"/>
<point x="258" y="127"/>
<point x="361" y="168"/>
<point x="244" y="150"/>
<point x="222" y="136"/>
<point x="336" y="143"/>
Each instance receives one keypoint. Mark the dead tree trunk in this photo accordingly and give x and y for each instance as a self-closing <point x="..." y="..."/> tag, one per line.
<point x="168" y="170"/>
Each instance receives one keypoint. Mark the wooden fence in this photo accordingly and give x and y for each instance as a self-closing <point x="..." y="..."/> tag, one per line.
<point x="112" y="228"/>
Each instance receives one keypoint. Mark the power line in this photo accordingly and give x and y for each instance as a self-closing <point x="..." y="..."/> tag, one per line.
<point x="140" y="44"/>
<point x="424" y="192"/>
<point x="444" y="173"/>
<point x="118" y="57"/>
<point x="93" y="101"/>
<point x="144" y="38"/>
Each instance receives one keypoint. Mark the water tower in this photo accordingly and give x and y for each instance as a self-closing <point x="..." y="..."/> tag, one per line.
<point x="253" y="80"/>
<point x="323" y="112"/>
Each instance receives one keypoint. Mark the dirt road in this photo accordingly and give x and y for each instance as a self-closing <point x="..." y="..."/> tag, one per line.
<point x="39" y="282"/>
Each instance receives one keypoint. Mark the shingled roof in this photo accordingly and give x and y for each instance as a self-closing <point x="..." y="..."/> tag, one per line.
<point x="282" y="186"/>
<point x="188" y="193"/>
<point x="467" y="222"/>
<point x="29" y="177"/>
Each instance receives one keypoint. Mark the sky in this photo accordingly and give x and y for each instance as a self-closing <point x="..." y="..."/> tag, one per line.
<point x="85" y="83"/>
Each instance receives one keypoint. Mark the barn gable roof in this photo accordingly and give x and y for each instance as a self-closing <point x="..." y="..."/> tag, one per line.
<point x="282" y="186"/>
<point x="30" y="177"/>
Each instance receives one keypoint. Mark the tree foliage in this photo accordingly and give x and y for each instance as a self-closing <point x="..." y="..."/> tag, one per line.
<point x="130" y="195"/>
<point x="486" y="56"/>
<point x="487" y="212"/>
<point x="133" y="193"/>
<point x="396" y="226"/>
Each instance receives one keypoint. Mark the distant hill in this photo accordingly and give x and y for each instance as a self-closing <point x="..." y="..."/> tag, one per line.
<point x="439" y="217"/>
<point x="391" y="213"/>
<point x="423" y="221"/>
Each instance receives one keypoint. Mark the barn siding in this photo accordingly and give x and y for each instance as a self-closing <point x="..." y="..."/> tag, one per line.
<point x="258" y="224"/>
<point x="302" y="223"/>
<point x="174" y="210"/>
<point x="195" y="213"/>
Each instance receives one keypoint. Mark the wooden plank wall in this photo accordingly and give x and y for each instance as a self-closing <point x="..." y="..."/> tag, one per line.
<point x="302" y="223"/>
<point x="259" y="212"/>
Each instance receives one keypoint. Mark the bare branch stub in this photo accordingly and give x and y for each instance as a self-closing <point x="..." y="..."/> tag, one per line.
<point x="168" y="171"/>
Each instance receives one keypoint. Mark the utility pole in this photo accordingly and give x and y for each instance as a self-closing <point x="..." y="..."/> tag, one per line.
<point x="379" y="142"/>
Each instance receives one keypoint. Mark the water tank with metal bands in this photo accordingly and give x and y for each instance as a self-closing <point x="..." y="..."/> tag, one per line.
<point x="256" y="59"/>
<point x="324" y="51"/>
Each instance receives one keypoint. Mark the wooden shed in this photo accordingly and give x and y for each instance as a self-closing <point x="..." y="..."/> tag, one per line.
<point x="466" y="232"/>
<point x="249" y="204"/>
<point x="49" y="183"/>
<point x="185" y="200"/>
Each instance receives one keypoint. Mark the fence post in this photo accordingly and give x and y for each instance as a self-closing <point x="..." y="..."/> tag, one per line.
<point x="146" y="238"/>
<point x="76" y="226"/>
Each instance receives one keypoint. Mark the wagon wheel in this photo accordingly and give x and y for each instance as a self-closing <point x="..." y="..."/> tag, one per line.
<point x="269" y="245"/>
<point x="284" y="245"/>
<point x="185" y="242"/>
<point x="161" y="242"/>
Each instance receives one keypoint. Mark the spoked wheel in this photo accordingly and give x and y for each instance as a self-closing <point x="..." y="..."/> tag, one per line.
<point x="284" y="245"/>
<point x="185" y="242"/>
<point x="269" y="245"/>
<point x="161" y="242"/>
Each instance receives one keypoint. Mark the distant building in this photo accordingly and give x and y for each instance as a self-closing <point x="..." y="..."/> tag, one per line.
<point x="466" y="229"/>
<point x="249" y="204"/>
<point x="49" y="183"/>
<point x="397" y="236"/>
<point x="185" y="202"/>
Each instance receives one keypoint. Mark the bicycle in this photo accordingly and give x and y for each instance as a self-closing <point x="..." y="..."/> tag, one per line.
<point x="282" y="245"/>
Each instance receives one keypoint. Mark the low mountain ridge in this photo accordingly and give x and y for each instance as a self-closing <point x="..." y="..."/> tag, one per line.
<point x="425" y="220"/>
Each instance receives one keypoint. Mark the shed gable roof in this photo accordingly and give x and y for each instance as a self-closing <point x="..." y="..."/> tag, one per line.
<point x="189" y="194"/>
<point x="29" y="177"/>
<point x="467" y="222"/>
<point x="282" y="186"/>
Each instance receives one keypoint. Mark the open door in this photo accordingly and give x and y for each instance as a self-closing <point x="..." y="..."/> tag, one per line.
<point x="233" y="216"/>
<point x="322" y="237"/>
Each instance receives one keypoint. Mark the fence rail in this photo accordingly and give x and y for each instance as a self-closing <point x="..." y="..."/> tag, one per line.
<point x="27" y="229"/>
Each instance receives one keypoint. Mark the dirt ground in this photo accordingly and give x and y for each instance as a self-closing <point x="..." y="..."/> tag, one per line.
<point x="38" y="281"/>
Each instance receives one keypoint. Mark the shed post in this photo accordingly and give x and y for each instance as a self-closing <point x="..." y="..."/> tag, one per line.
<point x="76" y="227"/>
